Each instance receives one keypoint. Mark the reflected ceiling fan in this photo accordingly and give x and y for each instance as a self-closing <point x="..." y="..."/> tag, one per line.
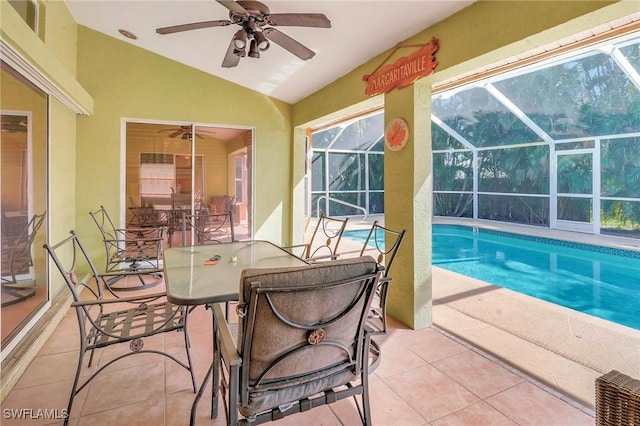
<point x="184" y="132"/>
<point x="13" y="124"/>
<point x="257" y="30"/>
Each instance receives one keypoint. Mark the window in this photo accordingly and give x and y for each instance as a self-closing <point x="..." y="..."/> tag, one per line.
<point x="347" y="167"/>
<point x="552" y="144"/>
<point x="28" y="11"/>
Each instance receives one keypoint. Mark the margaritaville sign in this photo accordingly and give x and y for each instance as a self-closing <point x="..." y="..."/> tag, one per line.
<point x="404" y="71"/>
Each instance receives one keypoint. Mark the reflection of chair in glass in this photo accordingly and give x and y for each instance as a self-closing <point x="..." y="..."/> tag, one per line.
<point x="207" y="227"/>
<point x="385" y="243"/>
<point x="145" y="217"/>
<point x="132" y="251"/>
<point x="16" y="258"/>
<point x="324" y="241"/>
<point x="294" y="353"/>
<point x="198" y="202"/>
<point x="104" y="322"/>
<point x="222" y="204"/>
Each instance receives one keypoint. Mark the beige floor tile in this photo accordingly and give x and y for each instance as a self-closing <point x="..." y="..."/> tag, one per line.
<point x="53" y="397"/>
<point x="431" y="345"/>
<point x="396" y="358"/>
<point x="116" y="388"/>
<point x="387" y="407"/>
<point x="477" y="414"/>
<point x="52" y="368"/>
<point x="66" y="337"/>
<point x="430" y="392"/>
<point x="480" y="375"/>
<point x="144" y="413"/>
<point x="527" y="404"/>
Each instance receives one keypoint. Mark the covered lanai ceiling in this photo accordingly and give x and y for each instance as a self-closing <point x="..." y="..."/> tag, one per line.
<point x="359" y="31"/>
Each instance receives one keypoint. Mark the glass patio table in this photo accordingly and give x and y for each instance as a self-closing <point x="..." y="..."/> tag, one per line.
<point x="191" y="282"/>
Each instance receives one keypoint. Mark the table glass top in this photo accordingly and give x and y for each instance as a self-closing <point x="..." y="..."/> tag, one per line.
<point x="190" y="282"/>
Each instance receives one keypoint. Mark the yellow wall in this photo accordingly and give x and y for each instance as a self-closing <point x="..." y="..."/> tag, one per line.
<point x="60" y="33"/>
<point x="129" y="82"/>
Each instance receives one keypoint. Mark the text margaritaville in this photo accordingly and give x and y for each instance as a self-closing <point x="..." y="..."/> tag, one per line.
<point x="404" y="71"/>
<point x="416" y="66"/>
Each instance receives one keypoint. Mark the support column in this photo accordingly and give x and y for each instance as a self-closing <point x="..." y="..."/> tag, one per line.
<point x="295" y="234"/>
<point x="408" y="205"/>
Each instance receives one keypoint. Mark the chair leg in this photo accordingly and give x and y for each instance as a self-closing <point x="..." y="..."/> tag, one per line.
<point x="196" y="400"/>
<point x="215" y="386"/>
<point x="76" y="380"/>
<point x="384" y="289"/>
<point x="187" y="347"/>
<point x="215" y="383"/>
<point x="234" y="384"/>
<point x="366" y="406"/>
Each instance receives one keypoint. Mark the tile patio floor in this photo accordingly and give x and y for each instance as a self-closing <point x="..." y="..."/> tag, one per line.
<point x="426" y="377"/>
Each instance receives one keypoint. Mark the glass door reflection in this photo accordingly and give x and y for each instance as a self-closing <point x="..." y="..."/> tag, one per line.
<point x="176" y="169"/>
<point x="23" y="185"/>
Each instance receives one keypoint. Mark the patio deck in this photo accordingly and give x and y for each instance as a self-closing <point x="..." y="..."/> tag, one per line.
<point x="426" y="377"/>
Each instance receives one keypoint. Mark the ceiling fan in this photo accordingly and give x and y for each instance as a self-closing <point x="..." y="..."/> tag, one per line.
<point x="184" y="132"/>
<point x="257" y="30"/>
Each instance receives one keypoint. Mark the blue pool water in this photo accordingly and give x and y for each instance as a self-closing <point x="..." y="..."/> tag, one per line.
<point x="600" y="281"/>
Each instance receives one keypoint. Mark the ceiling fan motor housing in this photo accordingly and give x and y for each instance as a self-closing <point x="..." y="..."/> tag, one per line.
<point x="256" y="12"/>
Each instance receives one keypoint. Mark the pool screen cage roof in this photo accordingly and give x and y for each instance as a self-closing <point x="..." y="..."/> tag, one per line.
<point x="555" y="143"/>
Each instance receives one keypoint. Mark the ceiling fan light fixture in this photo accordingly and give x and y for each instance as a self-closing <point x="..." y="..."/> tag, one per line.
<point x="239" y="52"/>
<point x="253" y="50"/>
<point x="240" y="39"/>
<point x="261" y="41"/>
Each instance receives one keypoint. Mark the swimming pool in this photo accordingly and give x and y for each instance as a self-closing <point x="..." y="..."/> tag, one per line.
<point x="600" y="281"/>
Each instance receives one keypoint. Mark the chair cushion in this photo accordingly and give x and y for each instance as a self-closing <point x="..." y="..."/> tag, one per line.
<point x="298" y="275"/>
<point x="266" y="400"/>
<point x="315" y="367"/>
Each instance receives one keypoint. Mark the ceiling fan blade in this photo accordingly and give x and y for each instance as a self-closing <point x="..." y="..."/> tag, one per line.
<point x="230" y="59"/>
<point x="317" y="20"/>
<point x="193" y="26"/>
<point x="233" y="6"/>
<point x="176" y="133"/>
<point x="293" y="46"/>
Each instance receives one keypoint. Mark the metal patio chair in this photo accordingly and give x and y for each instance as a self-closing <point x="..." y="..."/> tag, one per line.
<point x="208" y="228"/>
<point x="324" y="241"/>
<point x="132" y="251"/>
<point x="104" y="322"/>
<point x="292" y="353"/>
<point x="146" y="217"/>
<point x="382" y="243"/>
<point x="16" y="257"/>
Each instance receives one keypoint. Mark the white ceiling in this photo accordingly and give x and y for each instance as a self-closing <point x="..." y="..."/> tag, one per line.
<point x="360" y="30"/>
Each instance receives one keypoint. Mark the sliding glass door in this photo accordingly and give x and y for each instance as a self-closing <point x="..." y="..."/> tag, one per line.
<point x="23" y="187"/>
<point x="185" y="167"/>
